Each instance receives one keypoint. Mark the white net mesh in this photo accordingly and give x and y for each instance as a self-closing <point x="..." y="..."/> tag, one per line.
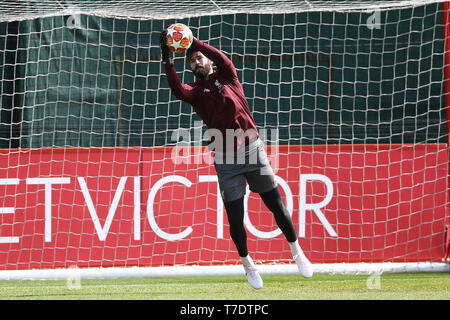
<point x="349" y="96"/>
<point x="14" y="10"/>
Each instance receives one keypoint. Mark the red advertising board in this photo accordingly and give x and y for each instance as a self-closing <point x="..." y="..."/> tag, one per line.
<point x="160" y="206"/>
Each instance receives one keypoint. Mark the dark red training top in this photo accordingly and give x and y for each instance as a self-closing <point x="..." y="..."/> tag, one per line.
<point x="219" y="101"/>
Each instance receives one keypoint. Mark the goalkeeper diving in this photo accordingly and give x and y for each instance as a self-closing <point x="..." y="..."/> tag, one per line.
<point x="218" y="98"/>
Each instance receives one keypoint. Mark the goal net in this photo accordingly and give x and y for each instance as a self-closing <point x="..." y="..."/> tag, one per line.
<point x="102" y="167"/>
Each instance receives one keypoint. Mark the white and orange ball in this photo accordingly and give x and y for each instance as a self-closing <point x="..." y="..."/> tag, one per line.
<point x="179" y="37"/>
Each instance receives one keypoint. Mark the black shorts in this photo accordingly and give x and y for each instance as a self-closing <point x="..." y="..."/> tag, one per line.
<point x="250" y="165"/>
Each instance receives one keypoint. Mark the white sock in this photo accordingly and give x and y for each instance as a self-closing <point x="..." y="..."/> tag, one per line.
<point x="295" y="248"/>
<point x="247" y="261"/>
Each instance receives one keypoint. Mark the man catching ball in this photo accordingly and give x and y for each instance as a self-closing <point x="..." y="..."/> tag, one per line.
<point x="218" y="98"/>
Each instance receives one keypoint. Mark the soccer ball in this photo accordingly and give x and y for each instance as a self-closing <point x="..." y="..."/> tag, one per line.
<point x="179" y="37"/>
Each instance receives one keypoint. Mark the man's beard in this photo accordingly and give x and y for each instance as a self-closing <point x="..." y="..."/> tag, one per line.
<point x="202" y="73"/>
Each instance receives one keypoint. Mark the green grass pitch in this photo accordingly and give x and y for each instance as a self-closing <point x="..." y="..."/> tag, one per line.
<point x="398" y="286"/>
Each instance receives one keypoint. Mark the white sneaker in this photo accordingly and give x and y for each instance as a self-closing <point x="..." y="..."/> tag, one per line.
<point x="253" y="277"/>
<point x="304" y="266"/>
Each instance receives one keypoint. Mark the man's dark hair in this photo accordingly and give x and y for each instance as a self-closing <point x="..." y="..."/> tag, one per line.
<point x="189" y="52"/>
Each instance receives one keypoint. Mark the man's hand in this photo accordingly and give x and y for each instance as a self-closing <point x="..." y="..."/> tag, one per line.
<point x="165" y="53"/>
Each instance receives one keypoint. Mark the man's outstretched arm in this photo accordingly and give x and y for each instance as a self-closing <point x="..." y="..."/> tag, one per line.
<point x="180" y="90"/>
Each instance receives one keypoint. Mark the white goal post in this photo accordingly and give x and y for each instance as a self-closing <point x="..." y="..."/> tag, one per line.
<point x="103" y="172"/>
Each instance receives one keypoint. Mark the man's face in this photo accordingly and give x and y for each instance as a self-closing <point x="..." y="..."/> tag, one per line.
<point x="201" y="66"/>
